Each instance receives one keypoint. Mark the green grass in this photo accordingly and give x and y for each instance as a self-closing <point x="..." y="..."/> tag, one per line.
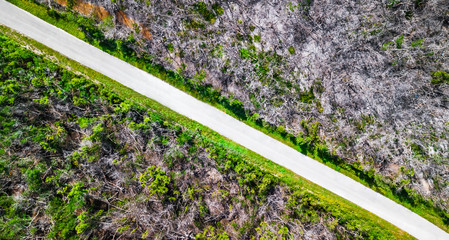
<point x="353" y="216"/>
<point x="307" y="145"/>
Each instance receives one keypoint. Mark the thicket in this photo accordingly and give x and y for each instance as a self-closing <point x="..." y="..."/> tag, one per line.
<point x="79" y="161"/>
<point x="440" y="77"/>
<point x="308" y="142"/>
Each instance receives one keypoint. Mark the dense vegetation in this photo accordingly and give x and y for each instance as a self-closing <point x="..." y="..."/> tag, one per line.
<point x="79" y="161"/>
<point x="269" y="66"/>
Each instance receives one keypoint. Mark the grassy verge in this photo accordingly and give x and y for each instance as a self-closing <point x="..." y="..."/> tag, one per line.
<point x="352" y="216"/>
<point x="308" y="144"/>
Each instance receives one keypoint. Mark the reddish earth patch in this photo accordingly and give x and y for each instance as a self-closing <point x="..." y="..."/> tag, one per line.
<point x="86" y="8"/>
<point x="124" y="19"/>
<point x="101" y="13"/>
<point x="146" y="32"/>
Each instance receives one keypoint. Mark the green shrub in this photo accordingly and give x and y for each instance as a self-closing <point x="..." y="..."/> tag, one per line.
<point x="307" y="96"/>
<point x="13" y="220"/>
<point x="387" y="45"/>
<point x="159" y="183"/>
<point x="399" y="41"/>
<point x="417" y="43"/>
<point x="97" y="132"/>
<point x="185" y="137"/>
<point x="70" y="4"/>
<point x="34" y="177"/>
<point x="85" y="122"/>
<point x="63" y="213"/>
<point x="218" y="9"/>
<point x="201" y="8"/>
<point x="170" y="47"/>
<point x="211" y="233"/>
<point x="291" y="50"/>
<point x="440" y="77"/>
<point x="244" y="53"/>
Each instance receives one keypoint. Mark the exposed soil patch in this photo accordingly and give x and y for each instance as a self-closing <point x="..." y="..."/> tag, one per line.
<point x="99" y="12"/>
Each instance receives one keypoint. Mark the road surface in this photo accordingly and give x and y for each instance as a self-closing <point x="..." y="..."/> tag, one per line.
<point x="220" y="122"/>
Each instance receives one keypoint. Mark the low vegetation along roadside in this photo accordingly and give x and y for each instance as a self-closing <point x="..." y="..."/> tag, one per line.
<point x="79" y="161"/>
<point x="308" y="142"/>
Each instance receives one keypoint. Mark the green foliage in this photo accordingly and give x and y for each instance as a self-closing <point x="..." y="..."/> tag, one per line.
<point x="70" y="4"/>
<point x="193" y="24"/>
<point x="417" y="43"/>
<point x="387" y="45"/>
<point x="310" y="134"/>
<point x="245" y="53"/>
<point x="255" y="182"/>
<point x="170" y="47"/>
<point x="399" y="41"/>
<point x="304" y="206"/>
<point x="43" y="100"/>
<point x="390" y="44"/>
<point x="440" y="77"/>
<point x="34" y="177"/>
<point x="97" y="132"/>
<point x="82" y="224"/>
<point x="63" y="213"/>
<point x="49" y="137"/>
<point x="185" y="137"/>
<point x="392" y="3"/>
<point x="124" y="107"/>
<point x="300" y="5"/>
<point x="265" y="233"/>
<point x="159" y="183"/>
<point x="85" y="122"/>
<point x="409" y="15"/>
<point x="307" y="96"/>
<point x="13" y="219"/>
<point x="9" y="89"/>
<point x="208" y="15"/>
<point x="417" y="149"/>
<point x="212" y="233"/>
<point x="200" y="76"/>
<point x="217" y="51"/>
<point x="217" y="9"/>
<point x="364" y="121"/>
<point x="291" y="50"/>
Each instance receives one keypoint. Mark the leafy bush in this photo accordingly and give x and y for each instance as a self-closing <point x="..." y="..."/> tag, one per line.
<point x="211" y="233"/>
<point x="417" y="43"/>
<point x="13" y="220"/>
<point x="63" y="212"/>
<point x="399" y="41"/>
<point x="201" y="8"/>
<point x="440" y="77"/>
<point x="291" y="50"/>
<point x="34" y="177"/>
<point x="159" y="183"/>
